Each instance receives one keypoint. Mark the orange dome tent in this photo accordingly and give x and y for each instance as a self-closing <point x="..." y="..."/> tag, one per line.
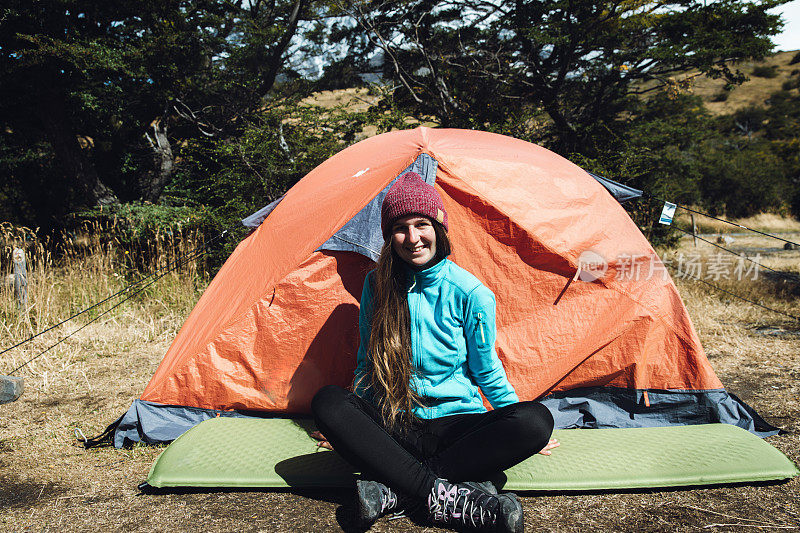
<point x="605" y="341"/>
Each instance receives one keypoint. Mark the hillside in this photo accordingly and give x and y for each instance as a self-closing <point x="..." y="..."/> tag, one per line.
<point x="718" y="101"/>
<point x="752" y="92"/>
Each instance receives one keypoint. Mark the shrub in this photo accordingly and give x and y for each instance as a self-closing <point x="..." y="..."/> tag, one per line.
<point x="721" y="96"/>
<point x="741" y="181"/>
<point x="765" y="71"/>
<point x="148" y="235"/>
<point x="790" y="84"/>
<point x="235" y="177"/>
<point x="749" y="120"/>
<point x="795" y="59"/>
<point x="795" y="202"/>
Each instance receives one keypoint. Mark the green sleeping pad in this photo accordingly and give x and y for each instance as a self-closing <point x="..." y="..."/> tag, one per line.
<point x="247" y="452"/>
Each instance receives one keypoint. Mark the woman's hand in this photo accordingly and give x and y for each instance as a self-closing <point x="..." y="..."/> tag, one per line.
<point x="546" y="450"/>
<point x="323" y="442"/>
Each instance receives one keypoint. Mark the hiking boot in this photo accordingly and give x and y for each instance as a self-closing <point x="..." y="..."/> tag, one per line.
<point x="374" y="501"/>
<point x="486" y="486"/>
<point x="511" y="518"/>
<point x="467" y="505"/>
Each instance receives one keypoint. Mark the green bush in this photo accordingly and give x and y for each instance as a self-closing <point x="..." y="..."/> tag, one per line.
<point x="794" y="203"/>
<point x="147" y="236"/>
<point x="745" y="121"/>
<point x="674" y="150"/>
<point x="235" y="177"/>
<point x="655" y="150"/>
<point x="783" y="116"/>
<point x="741" y="180"/>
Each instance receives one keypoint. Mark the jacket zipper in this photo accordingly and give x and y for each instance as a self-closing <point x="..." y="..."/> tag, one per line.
<point x="415" y="331"/>
<point x="480" y="325"/>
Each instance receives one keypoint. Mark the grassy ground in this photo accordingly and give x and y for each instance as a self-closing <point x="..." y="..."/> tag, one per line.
<point x="764" y="222"/>
<point x="47" y="482"/>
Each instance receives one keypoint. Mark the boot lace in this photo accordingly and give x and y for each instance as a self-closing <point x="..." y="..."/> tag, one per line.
<point x="473" y="511"/>
<point x="452" y="503"/>
<point x="388" y="499"/>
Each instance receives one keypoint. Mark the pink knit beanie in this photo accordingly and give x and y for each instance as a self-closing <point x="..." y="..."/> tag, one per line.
<point x="411" y="195"/>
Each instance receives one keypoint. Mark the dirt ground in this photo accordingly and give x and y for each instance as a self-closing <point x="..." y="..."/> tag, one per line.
<point x="48" y="483"/>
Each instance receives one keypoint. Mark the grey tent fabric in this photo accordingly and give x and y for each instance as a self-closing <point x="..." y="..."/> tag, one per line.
<point x="153" y="423"/>
<point x="253" y="221"/>
<point x="621" y="192"/>
<point x="606" y="407"/>
<point x="588" y="408"/>
<point x="362" y="233"/>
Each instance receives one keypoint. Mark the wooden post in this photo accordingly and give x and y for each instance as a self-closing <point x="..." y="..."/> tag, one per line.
<point x="20" y="278"/>
<point x="694" y="231"/>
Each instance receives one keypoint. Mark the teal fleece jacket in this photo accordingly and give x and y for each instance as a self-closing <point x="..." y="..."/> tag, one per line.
<point x="452" y="340"/>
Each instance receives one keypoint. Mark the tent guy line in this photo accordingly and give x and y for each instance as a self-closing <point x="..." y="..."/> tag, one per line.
<point x="787" y="275"/>
<point x="648" y="195"/>
<point x="696" y="278"/>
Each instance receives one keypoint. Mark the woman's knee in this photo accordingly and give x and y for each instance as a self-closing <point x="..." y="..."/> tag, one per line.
<point x="328" y="400"/>
<point x="535" y="422"/>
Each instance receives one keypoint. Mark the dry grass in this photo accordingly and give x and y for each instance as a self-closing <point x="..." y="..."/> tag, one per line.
<point x="354" y="100"/>
<point x="766" y="222"/>
<point x="90" y="269"/>
<point x="48" y="483"/>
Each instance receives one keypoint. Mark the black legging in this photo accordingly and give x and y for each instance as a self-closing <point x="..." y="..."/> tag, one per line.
<point x="466" y="447"/>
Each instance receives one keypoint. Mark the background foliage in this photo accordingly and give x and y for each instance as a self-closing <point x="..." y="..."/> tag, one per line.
<point x="153" y="110"/>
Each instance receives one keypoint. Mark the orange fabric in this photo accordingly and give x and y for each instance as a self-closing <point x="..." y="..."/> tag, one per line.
<point x="280" y="320"/>
<point x="299" y="338"/>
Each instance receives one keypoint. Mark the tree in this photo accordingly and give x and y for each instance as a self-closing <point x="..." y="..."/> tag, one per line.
<point x="40" y="74"/>
<point x="480" y="62"/>
<point x="76" y="81"/>
<point x="101" y="93"/>
<point x="232" y="178"/>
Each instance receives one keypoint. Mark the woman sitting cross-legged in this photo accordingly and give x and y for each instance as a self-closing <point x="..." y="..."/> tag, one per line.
<point x="416" y="426"/>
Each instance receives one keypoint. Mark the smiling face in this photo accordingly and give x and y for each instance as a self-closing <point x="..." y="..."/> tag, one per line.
<point x="414" y="239"/>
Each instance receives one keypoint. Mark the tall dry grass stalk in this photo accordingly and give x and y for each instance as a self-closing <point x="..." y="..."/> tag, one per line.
<point x="72" y="271"/>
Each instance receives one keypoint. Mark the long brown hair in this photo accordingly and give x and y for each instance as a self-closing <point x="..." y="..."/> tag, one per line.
<point x="389" y="352"/>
